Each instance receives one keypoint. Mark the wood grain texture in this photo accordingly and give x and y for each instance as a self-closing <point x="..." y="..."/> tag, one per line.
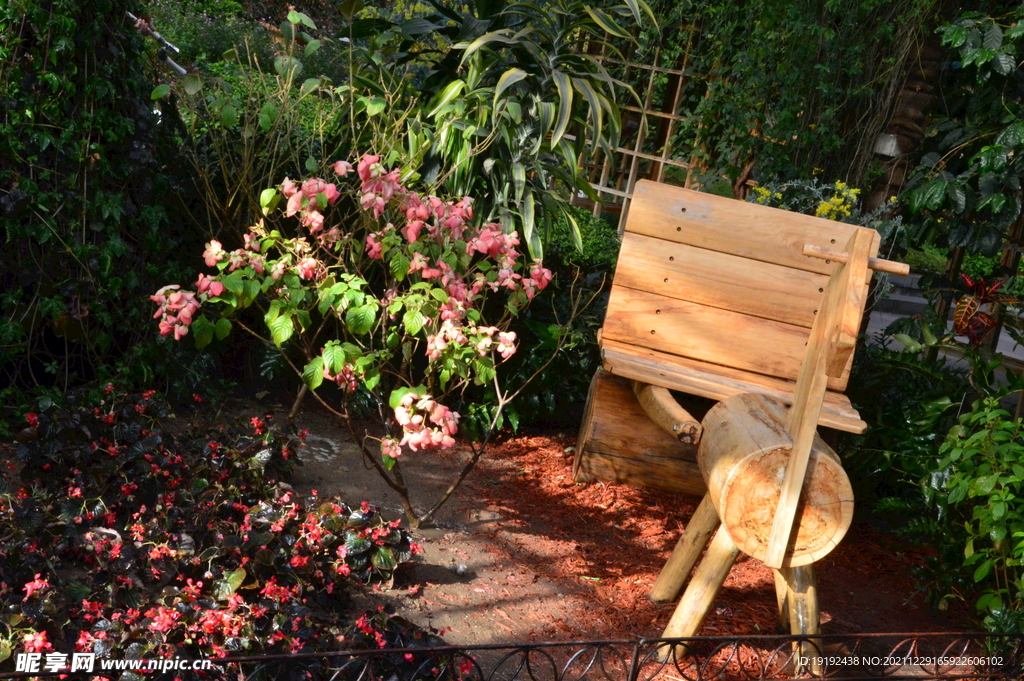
<point x="701" y="591"/>
<point x="619" y="443"/>
<point x="831" y="344"/>
<point x="707" y="334"/>
<point x="719" y="280"/>
<point x="666" y="413"/>
<point x="717" y="382"/>
<point x="684" y="556"/>
<point x="744" y="454"/>
<point x="729" y="226"/>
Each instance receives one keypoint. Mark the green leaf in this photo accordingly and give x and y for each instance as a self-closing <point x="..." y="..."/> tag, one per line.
<point x="281" y="329"/>
<point x="1003" y="63"/>
<point x="309" y="85"/>
<point x="413" y="321"/>
<point x="1012" y="135"/>
<point x="313" y="373"/>
<point x="384" y="559"/>
<point x="450" y="92"/>
<point x="399" y="266"/>
<point x="222" y="328"/>
<point x="287" y="67"/>
<point x="202" y="330"/>
<point x="267" y="116"/>
<point x="388" y="461"/>
<point x="596" y="111"/>
<point x="360" y="319"/>
<point x="564" y="105"/>
<point x="993" y="37"/>
<point x="439" y="294"/>
<point x="531" y="235"/>
<point x="507" y="80"/>
<point x="160" y="91"/>
<point x="236" y="578"/>
<point x="606" y="23"/>
<point x="499" y="36"/>
<point x="334" y="358"/>
<point x="311" y="47"/>
<point x="518" y="179"/>
<point x="398" y="393"/>
<point x="908" y="342"/>
<point x="983" y="570"/>
<point x="375" y="105"/>
<point x="193" y="83"/>
<point x="229" y="116"/>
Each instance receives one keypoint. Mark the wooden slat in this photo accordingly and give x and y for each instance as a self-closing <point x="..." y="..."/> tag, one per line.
<point x="831" y="345"/>
<point x="730" y="226"/>
<point x="717" y="382"/>
<point x="709" y="334"/>
<point x="719" y="280"/>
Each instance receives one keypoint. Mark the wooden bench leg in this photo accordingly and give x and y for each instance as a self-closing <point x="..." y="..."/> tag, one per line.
<point x="684" y="556"/>
<point x="701" y="592"/>
<point x="801" y="609"/>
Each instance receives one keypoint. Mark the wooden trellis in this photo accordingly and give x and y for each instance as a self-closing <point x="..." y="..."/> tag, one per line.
<point x="646" y="149"/>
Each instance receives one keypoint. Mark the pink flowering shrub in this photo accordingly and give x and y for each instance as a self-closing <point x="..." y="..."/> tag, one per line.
<point x="118" y="533"/>
<point x="366" y="282"/>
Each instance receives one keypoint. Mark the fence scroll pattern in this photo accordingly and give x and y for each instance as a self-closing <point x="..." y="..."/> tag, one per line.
<point x="837" y="657"/>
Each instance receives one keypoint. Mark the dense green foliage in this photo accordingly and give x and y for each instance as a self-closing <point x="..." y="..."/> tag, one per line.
<point x="91" y="208"/>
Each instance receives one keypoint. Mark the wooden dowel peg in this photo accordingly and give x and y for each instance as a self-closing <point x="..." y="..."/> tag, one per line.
<point x="684" y="556"/>
<point x="876" y="264"/>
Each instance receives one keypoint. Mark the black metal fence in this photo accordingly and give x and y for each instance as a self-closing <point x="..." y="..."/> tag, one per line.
<point x="835" y="657"/>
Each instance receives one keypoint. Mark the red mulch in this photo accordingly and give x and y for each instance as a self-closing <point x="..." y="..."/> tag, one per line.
<point x="612" y="541"/>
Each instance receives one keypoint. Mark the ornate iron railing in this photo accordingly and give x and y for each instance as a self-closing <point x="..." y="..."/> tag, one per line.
<point x="837" y="657"/>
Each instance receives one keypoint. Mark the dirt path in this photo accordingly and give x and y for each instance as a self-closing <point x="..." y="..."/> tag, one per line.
<point x="522" y="553"/>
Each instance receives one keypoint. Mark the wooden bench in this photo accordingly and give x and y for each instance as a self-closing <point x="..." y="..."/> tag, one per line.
<point x="739" y="302"/>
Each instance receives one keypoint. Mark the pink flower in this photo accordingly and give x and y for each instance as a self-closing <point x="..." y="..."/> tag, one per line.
<point x="252" y="242"/>
<point x="314" y="220"/>
<point x="373" y="246"/>
<point x="208" y="284"/>
<point x="288" y="188"/>
<point x="294" y="204"/>
<point x="308" y="268"/>
<point x="342" y="168"/>
<point x="214" y="253"/>
<point x="506" y="344"/>
<point x="369" y="167"/>
<point x="36" y="642"/>
<point x="411" y="231"/>
<point x="35" y="585"/>
<point x="540" y="274"/>
<point x="389" y="447"/>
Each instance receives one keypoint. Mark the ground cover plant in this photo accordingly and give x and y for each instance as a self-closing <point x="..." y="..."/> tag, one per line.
<point x="128" y="532"/>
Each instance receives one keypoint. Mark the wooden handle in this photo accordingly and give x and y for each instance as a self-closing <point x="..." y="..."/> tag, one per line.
<point x="877" y="264"/>
<point x="663" y="409"/>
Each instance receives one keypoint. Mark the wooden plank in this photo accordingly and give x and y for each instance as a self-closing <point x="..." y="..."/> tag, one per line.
<point x="706" y="333"/>
<point x="717" y="382"/>
<point x="730" y="226"/>
<point x="832" y="340"/>
<point x="719" y="280"/>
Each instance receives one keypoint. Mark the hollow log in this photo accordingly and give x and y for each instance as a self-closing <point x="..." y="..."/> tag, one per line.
<point x="619" y="443"/>
<point x="743" y="455"/>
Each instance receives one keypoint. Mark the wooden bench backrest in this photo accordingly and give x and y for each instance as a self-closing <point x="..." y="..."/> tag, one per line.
<point x="721" y="281"/>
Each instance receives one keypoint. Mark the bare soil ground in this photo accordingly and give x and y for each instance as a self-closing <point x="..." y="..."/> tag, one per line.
<point x="522" y="553"/>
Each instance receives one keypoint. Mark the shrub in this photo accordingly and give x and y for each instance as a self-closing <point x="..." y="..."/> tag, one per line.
<point x="125" y="528"/>
<point x="380" y="287"/>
